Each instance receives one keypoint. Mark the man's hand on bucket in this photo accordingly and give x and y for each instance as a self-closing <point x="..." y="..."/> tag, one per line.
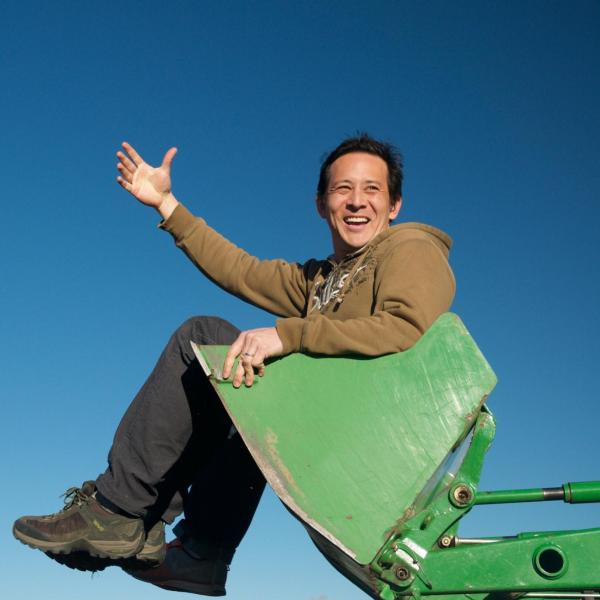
<point x="253" y="347"/>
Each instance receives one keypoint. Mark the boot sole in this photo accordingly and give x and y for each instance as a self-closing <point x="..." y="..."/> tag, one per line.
<point x="194" y="588"/>
<point x="176" y="585"/>
<point x="96" y="549"/>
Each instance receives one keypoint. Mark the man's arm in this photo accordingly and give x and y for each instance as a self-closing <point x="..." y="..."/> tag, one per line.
<point x="274" y="285"/>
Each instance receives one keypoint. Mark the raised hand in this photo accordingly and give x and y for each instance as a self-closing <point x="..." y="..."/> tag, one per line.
<point x="253" y="347"/>
<point x="150" y="185"/>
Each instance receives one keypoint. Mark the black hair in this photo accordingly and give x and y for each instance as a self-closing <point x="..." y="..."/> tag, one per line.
<point x="363" y="142"/>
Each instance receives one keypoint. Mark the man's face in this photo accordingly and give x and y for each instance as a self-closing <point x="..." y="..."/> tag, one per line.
<point x="357" y="204"/>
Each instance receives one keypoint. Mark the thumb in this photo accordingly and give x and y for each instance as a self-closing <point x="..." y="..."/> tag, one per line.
<point x="168" y="159"/>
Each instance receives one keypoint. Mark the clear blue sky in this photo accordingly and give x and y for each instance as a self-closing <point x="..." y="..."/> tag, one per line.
<point x="495" y="107"/>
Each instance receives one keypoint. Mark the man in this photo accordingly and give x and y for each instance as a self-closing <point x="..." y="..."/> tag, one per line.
<point x="175" y="448"/>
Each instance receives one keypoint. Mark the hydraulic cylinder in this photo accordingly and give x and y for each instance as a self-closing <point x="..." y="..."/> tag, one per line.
<point x="573" y="493"/>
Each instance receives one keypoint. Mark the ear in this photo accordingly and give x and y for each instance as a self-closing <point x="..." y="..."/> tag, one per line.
<point x="395" y="208"/>
<point x="321" y="206"/>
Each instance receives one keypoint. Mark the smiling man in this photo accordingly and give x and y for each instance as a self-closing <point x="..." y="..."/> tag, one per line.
<point x="175" y="448"/>
<point x="357" y="202"/>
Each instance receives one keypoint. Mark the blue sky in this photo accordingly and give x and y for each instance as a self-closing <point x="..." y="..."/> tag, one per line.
<point x="494" y="105"/>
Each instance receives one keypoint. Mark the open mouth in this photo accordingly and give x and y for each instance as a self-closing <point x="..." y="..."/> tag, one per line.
<point x="356" y="220"/>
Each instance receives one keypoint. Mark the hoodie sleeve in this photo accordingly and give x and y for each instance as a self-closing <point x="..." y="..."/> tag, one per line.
<point x="273" y="285"/>
<point x="413" y="285"/>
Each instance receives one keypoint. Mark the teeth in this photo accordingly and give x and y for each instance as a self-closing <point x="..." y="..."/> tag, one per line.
<point x="356" y="220"/>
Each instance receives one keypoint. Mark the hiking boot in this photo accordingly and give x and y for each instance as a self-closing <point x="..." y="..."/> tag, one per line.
<point x="151" y="555"/>
<point x="85" y="526"/>
<point x="183" y="571"/>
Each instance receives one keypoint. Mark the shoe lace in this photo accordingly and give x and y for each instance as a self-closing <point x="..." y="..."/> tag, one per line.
<point x="74" y="495"/>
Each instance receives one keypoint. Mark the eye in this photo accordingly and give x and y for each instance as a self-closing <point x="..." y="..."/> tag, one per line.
<point x="373" y="188"/>
<point x="342" y="188"/>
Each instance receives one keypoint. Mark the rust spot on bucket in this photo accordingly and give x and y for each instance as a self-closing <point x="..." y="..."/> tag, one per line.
<point x="279" y="467"/>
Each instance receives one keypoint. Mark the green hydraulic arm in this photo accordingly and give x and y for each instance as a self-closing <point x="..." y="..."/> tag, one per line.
<point x="425" y="556"/>
<point x="381" y="459"/>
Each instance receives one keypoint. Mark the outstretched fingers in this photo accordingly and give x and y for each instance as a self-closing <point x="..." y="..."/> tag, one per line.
<point x="126" y="162"/>
<point x="126" y="174"/>
<point x="168" y="159"/>
<point x="126" y="166"/>
<point x="135" y="157"/>
<point x="124" y="184"/>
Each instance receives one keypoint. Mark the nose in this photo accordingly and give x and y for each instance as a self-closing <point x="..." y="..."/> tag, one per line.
<point x="355" y="199"/>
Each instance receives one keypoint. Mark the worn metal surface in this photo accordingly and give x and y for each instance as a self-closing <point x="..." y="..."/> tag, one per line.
<point x="349" y="443"/>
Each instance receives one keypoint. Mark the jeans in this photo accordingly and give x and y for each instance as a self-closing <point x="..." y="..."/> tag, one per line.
<point x="176" y="449"/>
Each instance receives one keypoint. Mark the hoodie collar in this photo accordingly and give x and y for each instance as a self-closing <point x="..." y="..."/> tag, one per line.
<point x="439" y="237"/>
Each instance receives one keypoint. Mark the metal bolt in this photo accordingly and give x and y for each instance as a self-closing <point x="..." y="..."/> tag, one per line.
<point x="402" y="573"/>
<point x="445" y="541"/>
<point x="462" y="495"/>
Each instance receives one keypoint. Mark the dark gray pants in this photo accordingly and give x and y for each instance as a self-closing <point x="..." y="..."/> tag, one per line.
<point x="175" y="448"/>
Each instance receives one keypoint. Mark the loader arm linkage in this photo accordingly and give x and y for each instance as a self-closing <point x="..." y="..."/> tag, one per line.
<point x="425" y="556"/>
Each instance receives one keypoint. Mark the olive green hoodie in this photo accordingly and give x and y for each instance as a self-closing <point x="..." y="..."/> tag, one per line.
<point x="378" y="300"/>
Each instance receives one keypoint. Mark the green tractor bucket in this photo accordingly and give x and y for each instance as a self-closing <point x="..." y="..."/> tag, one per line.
<point x="380" y="458"/>
<point x="348" y="443"/>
